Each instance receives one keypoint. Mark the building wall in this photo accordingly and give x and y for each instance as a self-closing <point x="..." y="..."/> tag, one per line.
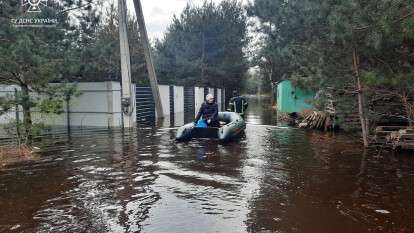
<point x="292" y="99"/>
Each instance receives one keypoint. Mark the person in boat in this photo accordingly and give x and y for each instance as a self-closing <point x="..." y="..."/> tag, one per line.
<point x="208" y="113"/>
<point x="238" y="104"/>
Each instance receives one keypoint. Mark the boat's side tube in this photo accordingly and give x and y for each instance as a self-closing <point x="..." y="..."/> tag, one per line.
<point x="184" y="133"/>
<point x="233" y="128"/>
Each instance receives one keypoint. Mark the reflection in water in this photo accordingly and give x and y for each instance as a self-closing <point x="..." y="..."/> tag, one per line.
<point x="261" y="112"/>
<point x="275" y="179"/>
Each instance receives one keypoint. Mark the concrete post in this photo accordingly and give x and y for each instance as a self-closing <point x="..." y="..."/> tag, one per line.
<point x="127" y="102"/>
<point x="110" y="104"/>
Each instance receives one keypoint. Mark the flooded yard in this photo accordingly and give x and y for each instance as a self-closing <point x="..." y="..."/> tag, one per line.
<point x="274" y="179"/>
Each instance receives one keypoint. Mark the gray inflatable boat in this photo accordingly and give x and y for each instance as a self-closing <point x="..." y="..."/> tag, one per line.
<point x="234" y="126"/>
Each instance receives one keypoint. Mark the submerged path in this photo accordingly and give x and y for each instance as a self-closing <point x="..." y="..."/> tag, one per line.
<point x="276" y="179"/>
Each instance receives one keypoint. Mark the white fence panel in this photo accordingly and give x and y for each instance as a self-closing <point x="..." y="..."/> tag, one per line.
<point x="165" y="98"/>
<point x="219" y="101"/>
<point x="199" y="98"/>
<point x="99" y="105"/>
<point x="178" y="99"/>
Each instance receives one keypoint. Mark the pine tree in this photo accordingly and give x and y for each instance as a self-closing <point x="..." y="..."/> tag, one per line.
<point x="205" y="46"/>
<point x="31" y="58"/>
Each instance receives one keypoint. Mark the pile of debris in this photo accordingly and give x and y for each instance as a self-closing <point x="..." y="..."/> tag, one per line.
<point x="318" y="120"/>
<point x="395" y="137"/>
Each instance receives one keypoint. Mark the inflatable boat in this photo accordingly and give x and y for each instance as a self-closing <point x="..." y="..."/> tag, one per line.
<point x="233" y="127"/>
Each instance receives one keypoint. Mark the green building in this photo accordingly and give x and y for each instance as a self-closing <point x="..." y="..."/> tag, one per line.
<point x="291" y="98"/>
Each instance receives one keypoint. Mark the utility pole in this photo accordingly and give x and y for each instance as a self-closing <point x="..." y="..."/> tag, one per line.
<point x="148" y="58"/>
<point x="127" y="102"/>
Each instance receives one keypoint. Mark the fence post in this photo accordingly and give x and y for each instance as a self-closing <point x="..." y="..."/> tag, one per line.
<point x="126" y="102"/>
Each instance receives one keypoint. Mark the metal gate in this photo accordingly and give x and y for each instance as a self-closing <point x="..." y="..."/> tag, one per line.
<point x="172" y="101"/>
<point x="189" y="104"/>
<point x="145" y="106"/>
<point x="172" y="105"/>
<point x="224" y="100"/>
<point x="206" y="92"/>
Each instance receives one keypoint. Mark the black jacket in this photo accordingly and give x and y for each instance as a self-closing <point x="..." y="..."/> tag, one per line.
<point x="238" y="104"/>
<point x="208" y="111"/>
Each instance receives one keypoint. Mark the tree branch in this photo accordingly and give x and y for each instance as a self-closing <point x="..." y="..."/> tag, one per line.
<point x="393" y="22"/>
<point x="19" y="81"/>
<point x="75" y="8"/>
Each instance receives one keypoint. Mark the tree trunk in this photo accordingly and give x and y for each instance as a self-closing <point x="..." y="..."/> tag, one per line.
<point x="273" y="86"/>
<point x="18" y="134"/>
<point x="273" y="92"/>
<point x="27" y="116"/>
<point x="361" y="111"/>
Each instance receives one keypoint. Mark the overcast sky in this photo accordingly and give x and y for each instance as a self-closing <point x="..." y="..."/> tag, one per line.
<point x="158" y="13"/>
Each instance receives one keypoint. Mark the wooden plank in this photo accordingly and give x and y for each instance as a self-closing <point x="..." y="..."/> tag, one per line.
<point x="406" y="136"/>
<point x="406" y="131"/>
<point x="390" y="128"/>
<point x="383" y="133"/>
<point x="405" y="146"/>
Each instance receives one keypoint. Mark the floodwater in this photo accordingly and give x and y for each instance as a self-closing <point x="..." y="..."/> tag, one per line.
<point x="274" y="179"/>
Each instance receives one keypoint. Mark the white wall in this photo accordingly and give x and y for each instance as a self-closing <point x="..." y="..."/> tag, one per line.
<point x="198" y="98"/>
<point x="178" y="99"/>
<point x="165" y="98"/>
<point x="219" y="101"/>
<point x="179" y="119"/>
<point x="99" y="105"/>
